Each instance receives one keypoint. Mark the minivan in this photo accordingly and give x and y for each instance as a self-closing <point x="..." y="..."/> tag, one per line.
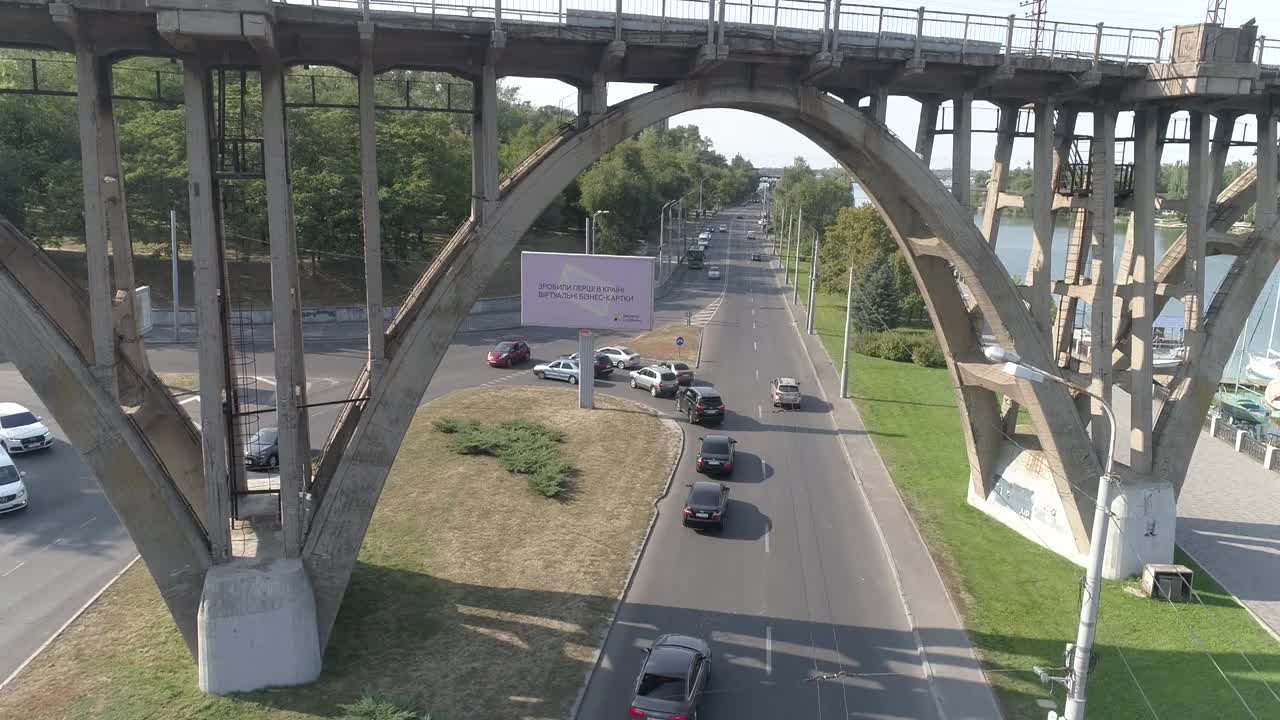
<point x="13" y="492"/>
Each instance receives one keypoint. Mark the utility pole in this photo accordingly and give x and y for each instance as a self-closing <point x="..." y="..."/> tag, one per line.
<point x="813" y="281"/>
<point x="848" y="321"/>
<point x="795" y="290"/>
<point x="786" y="241"/>
<point x="173" y="250"/>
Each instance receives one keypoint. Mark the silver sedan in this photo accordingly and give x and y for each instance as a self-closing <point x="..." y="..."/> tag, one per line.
<point x="562" y="369"/>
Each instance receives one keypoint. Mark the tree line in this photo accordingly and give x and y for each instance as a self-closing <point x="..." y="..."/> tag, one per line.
<point x="424" y="159"/>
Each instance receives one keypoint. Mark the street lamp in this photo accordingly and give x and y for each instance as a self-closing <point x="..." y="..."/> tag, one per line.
<point x="1077" y="680"/>
<point x="663" y="229"/>
<point x="590" y="230"/>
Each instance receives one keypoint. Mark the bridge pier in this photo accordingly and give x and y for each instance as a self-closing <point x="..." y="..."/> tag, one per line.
<point x="369" y="204"/>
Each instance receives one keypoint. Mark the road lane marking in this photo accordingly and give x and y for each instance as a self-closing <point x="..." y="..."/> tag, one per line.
<point x="15" y="567"/>
<point x="759" y="412"/>
<point x="767" y="529"/>
<point x="266" y="380"/>
<point x="755" y="344"/>
<point x="757" y="373"/>
<point x="86" y="522"/>
<point x="193" y="398"/>
<point x="768" y="649"/>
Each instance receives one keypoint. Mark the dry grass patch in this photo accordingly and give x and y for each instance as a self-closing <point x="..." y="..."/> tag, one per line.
<point x="660" y="343"/>
<point x="473" y="597"/>
<point x="179" y="383"/>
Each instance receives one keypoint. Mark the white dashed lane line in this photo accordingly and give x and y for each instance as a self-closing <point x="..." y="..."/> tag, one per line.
<point x="503" y="379"/>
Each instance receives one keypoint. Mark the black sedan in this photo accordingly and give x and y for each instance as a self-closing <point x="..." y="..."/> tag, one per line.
<point x="676" y="671"/>
<point x="263" y="449"/>
<point x="705" y="506"/>
<point x="716" y="453"/>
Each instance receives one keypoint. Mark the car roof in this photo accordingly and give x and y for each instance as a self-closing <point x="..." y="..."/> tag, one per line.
<point x="705" y="390"/>
<point x="786" y="381"/>
<point x="8" y="408"/>
<point x="671" y="660"/>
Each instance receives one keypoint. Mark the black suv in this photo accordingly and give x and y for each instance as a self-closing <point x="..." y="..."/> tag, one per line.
<point x="701" y="403"/>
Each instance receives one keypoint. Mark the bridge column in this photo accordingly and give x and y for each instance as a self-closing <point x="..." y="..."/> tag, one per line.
<point x="593" y="100"/>
<point x="370" y="211"/>
<point x="1198" y="174"/>
<point x="1224" y="126"/>
<point x="93" y="87"/>
<point x="962" y="149"/>
<point x="999" y="182"/>
<point x="211" y="339"/>
<point x="1265" y="212"/>
<point x="1102" y="201"/>
<point x="484" y="145"/>
<point x="926" y="131"/>
<point x="1038" y="267"/>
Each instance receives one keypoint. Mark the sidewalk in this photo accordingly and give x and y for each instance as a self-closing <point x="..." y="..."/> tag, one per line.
<point x="960" y="687"/>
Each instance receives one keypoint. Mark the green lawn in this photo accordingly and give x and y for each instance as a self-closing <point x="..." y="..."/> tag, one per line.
<point x="1020" y="602"/>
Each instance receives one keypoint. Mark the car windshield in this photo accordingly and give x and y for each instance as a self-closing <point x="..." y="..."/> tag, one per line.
<point x="9" y="474"/>
<point x="624" y="351"/>
<point x="661" y="687"/>
<point x="668" y="376"/>
<point x="680" y="366"/>
<point x="788" y="388"/>
<point x="715" y="446"/>
<point x="264" y="437"/>
<point x="505" y="347"/>
<point x="711" y="401"/>
<point x="18" y="420"/>
<point x="704" y="495"/>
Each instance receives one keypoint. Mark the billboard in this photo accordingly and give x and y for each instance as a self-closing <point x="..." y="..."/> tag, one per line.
<point x="597" y="292"/>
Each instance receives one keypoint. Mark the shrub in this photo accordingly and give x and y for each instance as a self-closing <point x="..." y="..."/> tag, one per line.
<point x="368" y="708"/>
<point x="925" y="352"/>
<point x="520" y="446"/>
<point x="891" y="346"/>
<point x="864" y="343"/>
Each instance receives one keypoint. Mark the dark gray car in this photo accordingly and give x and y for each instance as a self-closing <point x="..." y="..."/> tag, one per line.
<point x="716" y="454"/>
<point x="263" y="449"/>
<point x="676" y="671"/>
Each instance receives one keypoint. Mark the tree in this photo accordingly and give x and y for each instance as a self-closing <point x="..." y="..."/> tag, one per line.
<point x="875" y="297"/>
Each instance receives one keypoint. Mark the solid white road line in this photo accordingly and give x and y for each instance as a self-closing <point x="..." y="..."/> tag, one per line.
<point x="759" y="413"/>
<point x="266" y="380"/>
<point x="755" y="344"/>
<point x="15" y="567"/>
<point x="86" y="522"/>
<point x="768" y="650"/>
<point x="767" y="530"/>
<point x="193" y="398"/>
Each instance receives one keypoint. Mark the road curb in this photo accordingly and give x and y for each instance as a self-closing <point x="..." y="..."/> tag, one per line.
<point x="75" y="616"/>
<point x="926" y="665"/>
<point x="1256" y="617"/>
<point x="677" y="441"/>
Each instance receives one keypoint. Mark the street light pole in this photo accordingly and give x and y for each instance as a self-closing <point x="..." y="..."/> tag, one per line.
<point x="586" y="340"/>
<point x="1077" y="681"/>
<point x="813" y="281"/>
<point x="848" y="320"/>
<point x="795" y="289"/>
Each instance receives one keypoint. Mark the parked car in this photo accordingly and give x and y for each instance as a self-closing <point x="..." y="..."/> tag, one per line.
<point x="20" y="431"/>
<point x="656" y="379"/>
<point x="263" y="449"/>
<point x="751" y="234"/>
<point x="739" y="217"/>
<point x="676" y="671"/>
<point x="755" y="257"/>
<point x="684" y="373"/>
<point x="706" y="504"/>
<point x="508" y="353"/>
<point x="13" y="492"/>
<point x="716" y="454"/>
<point x="562" y="369"/>
<point x="623" y="358"/>
<point x="713" y="272"/>
<point x="785" y="392"/>
<point x="724" y="228"/>
<point x="704" y="235"/>
<point x="603" y="366"/>
<point x="701" y="403"/>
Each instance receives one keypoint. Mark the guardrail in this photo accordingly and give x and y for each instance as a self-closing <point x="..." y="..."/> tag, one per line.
<point x="832" y="23"/>
<point x="1268" y="52"/>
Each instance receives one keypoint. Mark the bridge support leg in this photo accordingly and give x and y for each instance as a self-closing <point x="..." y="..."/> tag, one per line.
<point x="1265" y="212"/>
<point x="593" y="100"/>
<point x="371" y="213"/>
<point x="962" y="149"/>
<point x="484" y="146"/>
<point x="1038" y="267"/>
<point x="1223" y="127"/>
<point x="1102" y="198"/>
<point x="1146" y="168"/>
<point x="93" y="86"/>
<point x="999" y="182"/>
<point x="1198" y="173"/>
<point x="207" y="258"/>
<point x="926" y="131"/>
<point x="879" y="107"/>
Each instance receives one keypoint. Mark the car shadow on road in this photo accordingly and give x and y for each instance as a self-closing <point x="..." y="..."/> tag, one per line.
<point x="742" y="521"/>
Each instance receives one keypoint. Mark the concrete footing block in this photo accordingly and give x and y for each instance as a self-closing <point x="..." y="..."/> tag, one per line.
<point x="257" y="627"/>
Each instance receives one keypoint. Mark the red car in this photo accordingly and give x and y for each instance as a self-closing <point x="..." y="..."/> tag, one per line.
<point x="508" y="353"/>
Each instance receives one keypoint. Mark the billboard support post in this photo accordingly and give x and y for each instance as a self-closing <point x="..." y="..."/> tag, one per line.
<point x="586" y="369"/>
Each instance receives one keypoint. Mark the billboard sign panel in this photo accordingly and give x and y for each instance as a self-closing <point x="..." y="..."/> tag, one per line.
<point x="598" y="292"/>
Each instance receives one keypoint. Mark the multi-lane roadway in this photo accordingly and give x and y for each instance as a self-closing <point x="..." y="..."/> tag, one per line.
<point x="795" y="595"/>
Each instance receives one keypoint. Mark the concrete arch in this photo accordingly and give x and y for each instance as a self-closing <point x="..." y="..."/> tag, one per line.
<point x="937" y="235"/>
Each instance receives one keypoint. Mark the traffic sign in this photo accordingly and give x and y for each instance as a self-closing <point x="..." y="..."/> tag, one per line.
<point x="679" y="341"/>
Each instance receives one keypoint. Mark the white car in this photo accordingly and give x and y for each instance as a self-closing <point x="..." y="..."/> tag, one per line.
<point x="785" y="392"/>
<point x="623" y="358"/>
<point x="20" y="431"/>
<point x="13" y="492"/>
<point x="713" y="273"/>
<point x="656" y="379"/>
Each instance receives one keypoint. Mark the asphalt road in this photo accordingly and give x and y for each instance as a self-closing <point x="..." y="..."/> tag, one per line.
<point x="56" y="555"/>
<point x="796" y="584"/>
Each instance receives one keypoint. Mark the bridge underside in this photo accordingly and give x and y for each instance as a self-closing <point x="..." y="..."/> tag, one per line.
<point x="171" y="483"/>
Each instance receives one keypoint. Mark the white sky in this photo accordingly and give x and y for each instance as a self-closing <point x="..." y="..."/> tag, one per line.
<point x="736" y="131"/>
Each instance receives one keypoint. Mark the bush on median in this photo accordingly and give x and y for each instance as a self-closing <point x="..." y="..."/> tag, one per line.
<point x="523" y="447"/>
<point x="900" y="347"/>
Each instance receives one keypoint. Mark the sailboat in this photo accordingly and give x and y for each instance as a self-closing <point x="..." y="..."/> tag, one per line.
<point x="1264" y="368"/>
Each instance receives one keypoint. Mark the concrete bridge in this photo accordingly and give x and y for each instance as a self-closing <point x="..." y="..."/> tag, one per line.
<point x="808" y="65"/>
